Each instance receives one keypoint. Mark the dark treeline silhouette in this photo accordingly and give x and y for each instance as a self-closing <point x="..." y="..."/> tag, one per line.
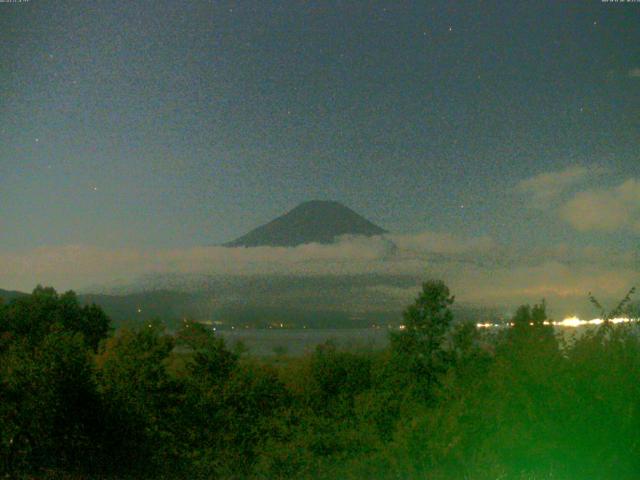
<point x="445" y="400"/>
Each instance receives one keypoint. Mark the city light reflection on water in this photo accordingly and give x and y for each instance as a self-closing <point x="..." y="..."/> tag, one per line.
<point x="569" y="322"/>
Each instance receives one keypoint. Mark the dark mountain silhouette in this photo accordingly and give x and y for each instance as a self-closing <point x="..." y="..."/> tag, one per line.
<point x="8" y="295"/>
<point x="324" y="301"/>
<point x="310" y="222"/>
<point x="167" y="306"/>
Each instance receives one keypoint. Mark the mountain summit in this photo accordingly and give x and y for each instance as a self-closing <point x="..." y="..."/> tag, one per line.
<point x="310" y="222"/>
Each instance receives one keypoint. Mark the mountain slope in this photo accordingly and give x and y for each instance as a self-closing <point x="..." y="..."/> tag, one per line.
<point x="310" y="222"/>
<point x="8" y="295"/>
<point x="168" y="306"/>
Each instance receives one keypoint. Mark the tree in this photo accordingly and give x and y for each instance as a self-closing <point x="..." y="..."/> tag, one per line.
<point x="139" y="398"/>
<point x="623" y="307"/>
<point x="531" y="330"/>
<point x="421" y="343"/>
<point x="34" y="316"/>
<point x="47" y="391"/>
<point x="90" y="320"/>
<point x="48" y="405"/>
<point x="210" y="359"/>
<point x="230" y="408"/>
<point x="335" y="379"/>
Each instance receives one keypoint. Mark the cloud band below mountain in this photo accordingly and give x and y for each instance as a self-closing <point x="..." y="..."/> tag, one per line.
<point x="478" y="269"/>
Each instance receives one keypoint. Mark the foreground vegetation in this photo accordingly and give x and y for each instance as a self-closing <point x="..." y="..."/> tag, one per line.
<point x="443" y="401"/>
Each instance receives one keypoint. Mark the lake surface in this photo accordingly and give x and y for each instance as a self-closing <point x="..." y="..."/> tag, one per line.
<point x="266" y="342"/>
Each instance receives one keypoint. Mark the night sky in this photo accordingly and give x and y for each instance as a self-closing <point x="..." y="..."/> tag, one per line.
<point x="166" y="125"/>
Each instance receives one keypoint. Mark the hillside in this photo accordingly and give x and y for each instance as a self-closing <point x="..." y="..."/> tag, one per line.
<point x="8" y="295"/>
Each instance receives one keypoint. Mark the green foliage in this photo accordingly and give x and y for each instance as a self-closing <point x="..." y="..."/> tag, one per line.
<point x="530" y="338"/>
<point x="139" y="399"/>
<point x="421" y="345"/>
<point x="602" y="396"/>
<point x="210" y="359"/>
<point x="335" y="379"/>
<point x="228" y="409"/>
<point x="32" y="317"/>
<point x="620" y="309"/>
<point x="48" y="394"/>
<point x="444" y="401"/>
<point x="47" y="399"/>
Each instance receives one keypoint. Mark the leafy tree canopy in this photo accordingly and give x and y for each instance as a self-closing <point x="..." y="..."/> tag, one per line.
<point x="34" y="316"/>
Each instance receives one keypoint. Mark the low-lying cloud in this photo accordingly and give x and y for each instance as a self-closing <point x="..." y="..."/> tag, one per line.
<point x="76" y="266"/>
<point x="479" y="270"/>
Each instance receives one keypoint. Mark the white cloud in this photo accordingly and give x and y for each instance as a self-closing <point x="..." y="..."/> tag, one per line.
<point x="442" y="243"/>
<point x="613" y="209"/>
<point x="544" y="189"/>
<point x="551" y="280"/>
<point x="478" y="270"/>
<point x="75" y="266"/>
<point x="564" y="286"/>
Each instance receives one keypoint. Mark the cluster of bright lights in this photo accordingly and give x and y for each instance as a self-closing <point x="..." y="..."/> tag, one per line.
<point x="571" y="322"/>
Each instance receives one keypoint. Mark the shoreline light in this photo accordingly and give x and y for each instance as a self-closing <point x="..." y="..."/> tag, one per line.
<point x="569" y="322"/>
